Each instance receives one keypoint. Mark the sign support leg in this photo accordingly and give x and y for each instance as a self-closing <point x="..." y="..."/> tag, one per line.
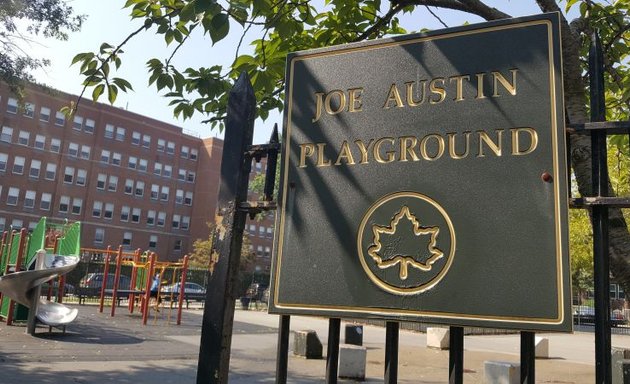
<point x="332" y="354"/>
<point x="456" y="355"/>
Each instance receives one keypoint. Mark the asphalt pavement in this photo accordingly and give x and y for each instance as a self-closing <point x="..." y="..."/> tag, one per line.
<point x="98" y="348"/>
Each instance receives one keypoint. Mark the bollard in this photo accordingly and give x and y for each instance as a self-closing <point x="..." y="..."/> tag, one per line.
<point x="354" y="334"/>
<point x="307" y="344"/>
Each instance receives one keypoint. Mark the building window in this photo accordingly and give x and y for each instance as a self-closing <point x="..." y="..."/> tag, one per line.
<point x="181" y="175"/>
<point x="269" y="232"/>
<point x="129" y="186"/>
<point x="105" y="154"/>
<point x="194" y="154"/>
<point x="109" y="211"/>
<point x="116" y="158"/>
<point x="161" y="219"/>
<point x="40" y="141"/>
<point x="161" y="144"/>
<point x="190" y="177"/>
<point x="51" y="171"/>
<point x="170" y="148"/>
<point x="155" y="191"/>
<point x="81" y="177"/>
<point x="132" y="162"/>
<point x="259" y="251"/>
<point x="100" y="181"/>
<point x="157" y="169"/>
<point x="185" y="223"/>
<point x="109" y="131"/>
<point x="140" y="188"/>
<point x="267" y="251"/>
<point x="12" y="105"/>
<point x="29" y="199"/>
<point x="13" y="195"/>
<point x="153" y="241"/>
<point x="85" y="152"/>
<point x="3" y="223"/>
<point x="89" y="126"/>
<point x="64" y="204"/>
<point x="143" y="165"/>
<point x="73" y="149"/>
<point x="135" y="215"/>
<point x="4" y="159"/>
<point x="36" y="166"/>
<point x="7" y="134"/>
<point x="24" y="137"/>
<point x="179" y="196"/>
<point x="60" y="119"/>
<point x="120" y="134"/>
<point x="17" y="224"/>
<point x="189" y="198"/>
<point x="112" y="186"/>
<point x="99" y="235"/>
<point x="252" y="229"/>
<point x="77" y="123"/>
<point x="127" y="236"/>
<point x="261" y="231"/>
<point x="151" y="217"/>
<point x="184" y="151"/>
<point x="18" y="165"/>
<point x="29" y="110"/>
<point x="135" y="138"/>
<point x="77" y="203"/>
<point x="97" y="209"/>
<point x="68" y="175"/>
<point x="146" y="141"/>
<point x="45" y="202"/>
<point x="55" y="145"/>
<point x="177" y="247"/>
<point x="164" y="194"/>
<point x="168" y="171"/>
<point x="44" y="114"/>
<point x="175" y="221"/>
<point x="124" y="213"/>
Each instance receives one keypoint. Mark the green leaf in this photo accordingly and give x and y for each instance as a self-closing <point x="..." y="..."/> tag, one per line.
<point x="122" y="83"/>
<point x="98" y="91"/>
<point x="112" y="93"/>
<point x="219" y="27"/>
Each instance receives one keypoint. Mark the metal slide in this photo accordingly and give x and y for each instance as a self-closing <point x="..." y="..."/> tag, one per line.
<point x="24" y="287"/>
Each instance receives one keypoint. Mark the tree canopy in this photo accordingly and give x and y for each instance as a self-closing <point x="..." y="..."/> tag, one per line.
<point x="21" y="21"/>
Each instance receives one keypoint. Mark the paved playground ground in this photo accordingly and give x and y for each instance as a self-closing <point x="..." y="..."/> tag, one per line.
<point x="100" y="349"/>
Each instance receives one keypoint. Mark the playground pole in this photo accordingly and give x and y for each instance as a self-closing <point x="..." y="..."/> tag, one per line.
<point x="182" y="290"/>
<point x="18" y="262"/>
<point x="116" y="278"/>
<point x="147" y="292"/>
<point x="105" y="271"/>
<point x="134" y="279"/>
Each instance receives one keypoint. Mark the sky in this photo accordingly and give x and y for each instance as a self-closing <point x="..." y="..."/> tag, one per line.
<point x="108" y="22"/>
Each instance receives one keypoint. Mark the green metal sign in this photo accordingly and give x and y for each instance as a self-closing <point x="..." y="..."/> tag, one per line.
<point x="424" y="179"/>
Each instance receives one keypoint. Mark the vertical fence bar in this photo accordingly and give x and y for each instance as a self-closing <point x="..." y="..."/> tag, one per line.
<point x="456" y="355"/>
<point x="391" y="352"/>
<point x="528" y="357"/>
<point x="282" y="357"/>
<point x="600" y="216"/>
<point x="332" y="354"/>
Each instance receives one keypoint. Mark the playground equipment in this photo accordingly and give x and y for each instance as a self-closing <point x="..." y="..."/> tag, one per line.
<point x="29" y="260"/>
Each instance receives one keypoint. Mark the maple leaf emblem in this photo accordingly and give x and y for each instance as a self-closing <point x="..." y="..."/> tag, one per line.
<point x="389" y="249"/>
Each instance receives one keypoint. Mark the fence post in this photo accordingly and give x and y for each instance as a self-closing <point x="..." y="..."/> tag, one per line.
<point x="218" y="314"/>
<point x="600" y="215"/>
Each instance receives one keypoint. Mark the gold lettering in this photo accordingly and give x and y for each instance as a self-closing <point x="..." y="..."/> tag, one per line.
<point x="480" y="81"/>
<point x="451" y="146"/>
<point x="318" y="106"/>
<point x="321" y="159"/>
<point x="459" y="80"/>
<point x="364" y="150"/>
<point x="423" y="147"/>
<point x="533" y="141"/>
<point x="498" y="78"/>
<point x="407" y="145"/>
<point x="345" y="153"/>
<point x="394" y="96"/>
<point x="437" y="90"/>
<point x="306" y="150"/>
<point x="376" y="151"/>
<point x="355" y="102"/>
<point x="410" y="93"/>
<point x="328" y="102"/>
<point x="494" y="147"/>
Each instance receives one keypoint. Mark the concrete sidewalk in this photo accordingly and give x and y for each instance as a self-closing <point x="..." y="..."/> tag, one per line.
<point x="98" y="348"/>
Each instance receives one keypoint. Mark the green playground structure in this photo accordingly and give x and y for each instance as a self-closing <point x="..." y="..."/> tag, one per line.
<point x="18" y="252"/>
